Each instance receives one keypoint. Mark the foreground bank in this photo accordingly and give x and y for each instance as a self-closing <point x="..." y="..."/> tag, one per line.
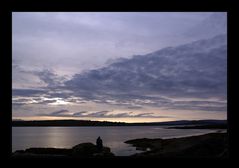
<point x="212" y="145"/>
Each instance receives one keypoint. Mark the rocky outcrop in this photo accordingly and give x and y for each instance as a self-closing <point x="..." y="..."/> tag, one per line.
<point x="83" y="150"/>
<point x="90" y="150"/>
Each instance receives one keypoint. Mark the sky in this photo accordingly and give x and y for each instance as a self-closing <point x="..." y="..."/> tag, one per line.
<point x="92" y="65"/>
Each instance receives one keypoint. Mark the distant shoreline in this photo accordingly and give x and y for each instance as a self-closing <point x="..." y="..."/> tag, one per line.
<point x="80" y="123"/>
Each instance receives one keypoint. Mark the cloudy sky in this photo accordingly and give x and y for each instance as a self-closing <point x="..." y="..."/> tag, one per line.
<point x="119" y="66"/>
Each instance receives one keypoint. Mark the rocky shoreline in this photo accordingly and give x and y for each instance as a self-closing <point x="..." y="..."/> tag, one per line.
<point x="212" y="145"/>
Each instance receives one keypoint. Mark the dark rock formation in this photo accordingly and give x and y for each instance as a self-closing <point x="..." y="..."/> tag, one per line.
<point x="83" y="150"/>
<point x="90" y="150"/>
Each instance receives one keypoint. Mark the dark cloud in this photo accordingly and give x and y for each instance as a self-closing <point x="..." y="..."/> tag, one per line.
<point x="101" y="114"/>
<point x="184" y="70"/>
<point x="58" y="113"/>
<point x="195" y="70"/>
<point x="134" y="107"/>
<point x="27" y="92"/>
<point x="79" y="114"/>
<point x="199" y="108"/>
<point x="97" y="114"/>
<point x="55" y="113"/>
<point x="47" y="101"/>
<point x="50" y="78"/>
<point x="45" y="77"/>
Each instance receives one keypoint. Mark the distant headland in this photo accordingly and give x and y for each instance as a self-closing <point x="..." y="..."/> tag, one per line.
<point x="181" y="124"/>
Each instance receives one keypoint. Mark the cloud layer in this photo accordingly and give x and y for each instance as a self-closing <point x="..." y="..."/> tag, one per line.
<point x="196" y="70"/>
<point x="92" y="59"/>
<point x="100" y="114"/>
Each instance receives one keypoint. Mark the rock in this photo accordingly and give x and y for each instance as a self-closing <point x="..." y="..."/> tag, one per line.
<point x="81" y="150"/>
<point x="90" y="150"/>
<point x="84" y="149"/>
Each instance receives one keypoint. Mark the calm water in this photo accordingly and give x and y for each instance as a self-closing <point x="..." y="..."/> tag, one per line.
<point x="113" y="137"/>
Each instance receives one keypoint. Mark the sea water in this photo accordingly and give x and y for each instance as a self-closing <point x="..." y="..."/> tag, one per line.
<point x="113" y="136"/>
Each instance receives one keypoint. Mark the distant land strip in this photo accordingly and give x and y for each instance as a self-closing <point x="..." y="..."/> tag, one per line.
<point x="187" y="124"/>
